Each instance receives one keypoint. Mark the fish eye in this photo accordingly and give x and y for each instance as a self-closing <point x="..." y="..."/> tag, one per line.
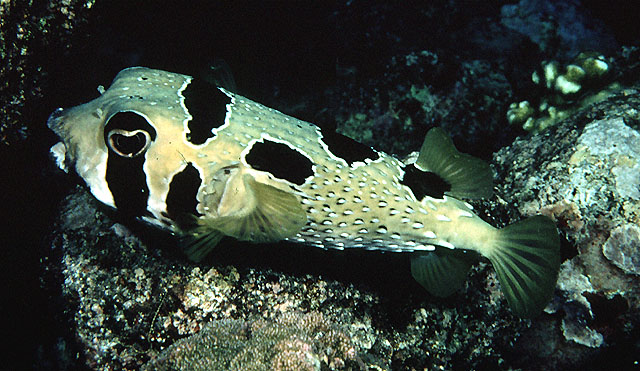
<point x="128" y="134"/>
<point x="128" y="143"/>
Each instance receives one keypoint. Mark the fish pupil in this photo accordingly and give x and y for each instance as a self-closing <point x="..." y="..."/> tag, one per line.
<point x="129" y="145"/>
<point x="128" y="134"/>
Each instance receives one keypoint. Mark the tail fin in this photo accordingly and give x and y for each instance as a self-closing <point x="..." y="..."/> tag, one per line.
<point x="526" y="257"/>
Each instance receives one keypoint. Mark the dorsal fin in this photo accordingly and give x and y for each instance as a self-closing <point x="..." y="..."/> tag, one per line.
<point x="469" y="177"/>
<point x="219" y="74"/>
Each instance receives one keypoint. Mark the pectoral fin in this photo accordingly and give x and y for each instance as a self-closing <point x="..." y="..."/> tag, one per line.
<point x="249" y="211"/>
<point x="274" y="214"/>
<point x="200" y="242"/>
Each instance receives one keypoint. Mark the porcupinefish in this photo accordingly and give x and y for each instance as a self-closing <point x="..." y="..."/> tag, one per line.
<point x="204" y="162"/>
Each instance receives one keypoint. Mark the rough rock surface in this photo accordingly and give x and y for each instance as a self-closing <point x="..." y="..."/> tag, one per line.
<point x="585" y="175"/>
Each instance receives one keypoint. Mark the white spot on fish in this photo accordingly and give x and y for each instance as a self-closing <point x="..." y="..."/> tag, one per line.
<point x="429" y="234"/>
<point x="446" y="244"/>
<point x="344" y="234"/>
<point x="394" y="212"/>
<point x="382" y="204"/>
<point x="443" y="218"/>
<point x="358" y="221"/>
<point x="363" y="231"/>
<point x="425" y="247"/>
<point x="465" y="214"/>
<point x="348" y="212"/>
<point x="417" y="225"/>
<point x="381" y="230"/>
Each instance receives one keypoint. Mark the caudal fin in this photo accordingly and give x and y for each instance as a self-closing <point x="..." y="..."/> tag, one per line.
<point x="526" y="257"/>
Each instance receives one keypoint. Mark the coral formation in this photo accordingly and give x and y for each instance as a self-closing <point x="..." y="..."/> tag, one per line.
<point x="290" y="341"/>
<point x="26" y="30"/>
<point x="563" y="91"/>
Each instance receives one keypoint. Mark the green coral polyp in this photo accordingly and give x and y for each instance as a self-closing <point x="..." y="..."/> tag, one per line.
<point x="567" y="89"/>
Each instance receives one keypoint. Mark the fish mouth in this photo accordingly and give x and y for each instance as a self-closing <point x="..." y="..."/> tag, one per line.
<point x="59" y="153"/>
<point x="53" y="122"/>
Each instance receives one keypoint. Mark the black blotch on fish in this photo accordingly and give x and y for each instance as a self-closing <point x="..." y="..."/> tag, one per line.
<point x="424" y="183"/>
<point x="280" y="160"/>
<point x="181" y="199"/>
<point x="127" y="183"/>
<point x="125" y="175"/>
<point x="346" y="148"/>
<point x="208" y="107"/>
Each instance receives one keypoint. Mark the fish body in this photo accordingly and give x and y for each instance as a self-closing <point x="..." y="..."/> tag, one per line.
<point x="204" y="162"/>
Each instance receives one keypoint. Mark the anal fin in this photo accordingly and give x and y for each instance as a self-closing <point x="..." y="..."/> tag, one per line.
<point x="441" y="273"/>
